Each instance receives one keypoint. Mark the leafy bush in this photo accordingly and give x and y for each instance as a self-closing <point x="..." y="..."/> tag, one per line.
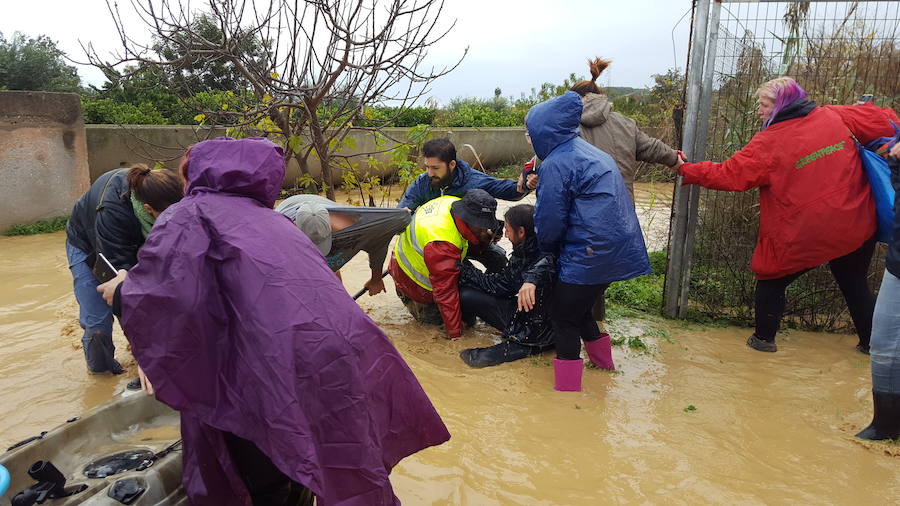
<point x="399" y="117"/>
<point x="644" y="293"/>
<point x="658" y="262"/>
<point x="107" y="110"/>
<point x="41" y="227"/>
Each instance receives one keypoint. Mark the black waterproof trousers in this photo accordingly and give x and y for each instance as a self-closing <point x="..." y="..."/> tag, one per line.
<point x="572" y="318"/>
<point x="267" y="485"/>
<point x="850" y="272"/>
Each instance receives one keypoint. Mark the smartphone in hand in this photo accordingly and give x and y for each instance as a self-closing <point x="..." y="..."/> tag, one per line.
<point x="103" y="269"/>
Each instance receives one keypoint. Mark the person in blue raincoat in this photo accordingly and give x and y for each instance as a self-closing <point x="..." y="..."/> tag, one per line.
<point x="583" y="216"/>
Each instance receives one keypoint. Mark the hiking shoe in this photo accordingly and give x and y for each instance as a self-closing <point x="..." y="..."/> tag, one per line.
<point x="134" y="384"/>
<point x="862" y="348"/>
<point x="761" y="345"/>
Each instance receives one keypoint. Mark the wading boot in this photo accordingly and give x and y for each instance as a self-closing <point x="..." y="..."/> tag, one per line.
<point x="99" y="353"/>
<point x="599" y="351"/>
<point x="567" y="375"/>
<point x="507" y="351"/>
<point x="886" y="422"/>
<point x="761" y="344"/>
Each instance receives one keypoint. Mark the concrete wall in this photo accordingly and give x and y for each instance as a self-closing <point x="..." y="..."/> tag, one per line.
<point x="43" y="156"/>
<point x="113" y="146"/>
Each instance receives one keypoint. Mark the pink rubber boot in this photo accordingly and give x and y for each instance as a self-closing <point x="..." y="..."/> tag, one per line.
<point x="600" y="352"/>
<point x="567" y="374"/>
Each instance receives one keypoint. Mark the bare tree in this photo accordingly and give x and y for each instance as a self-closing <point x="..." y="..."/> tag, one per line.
<point x="322" y="63"/>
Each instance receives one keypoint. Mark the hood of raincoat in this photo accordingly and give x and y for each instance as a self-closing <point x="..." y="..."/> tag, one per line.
<point x="596" y="110"/>
<point x="554" y="122"/>
<point x="251" y="167"/>
<point x="235" y="317"/>
<point x="583" y="213"/>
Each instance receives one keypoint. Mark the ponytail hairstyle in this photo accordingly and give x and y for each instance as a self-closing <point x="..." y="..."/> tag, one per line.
<point x="783" y="91"/>
<point x="597" y="66"/>
<point x="521" y="215"/>
<point x="159" y="188"/>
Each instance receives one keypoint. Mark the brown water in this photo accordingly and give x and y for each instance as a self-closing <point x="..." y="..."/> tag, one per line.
<point x="766" y="428"/>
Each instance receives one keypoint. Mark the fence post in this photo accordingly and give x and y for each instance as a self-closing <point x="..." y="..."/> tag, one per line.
<point x="680" y="241"/>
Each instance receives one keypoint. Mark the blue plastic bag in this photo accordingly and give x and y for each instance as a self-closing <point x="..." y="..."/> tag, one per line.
<point x="879" y="175"/>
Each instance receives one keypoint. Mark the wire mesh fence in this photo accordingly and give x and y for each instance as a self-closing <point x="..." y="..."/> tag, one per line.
<point x="837" y="51"/>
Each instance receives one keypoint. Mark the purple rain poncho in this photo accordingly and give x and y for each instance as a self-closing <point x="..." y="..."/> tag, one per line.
<point x="241" y="326"/>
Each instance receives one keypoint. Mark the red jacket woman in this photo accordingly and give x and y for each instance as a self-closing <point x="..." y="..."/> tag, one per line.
<point x="815" y="202"/>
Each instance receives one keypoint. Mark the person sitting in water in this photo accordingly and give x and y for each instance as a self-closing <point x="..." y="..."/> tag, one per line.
<point x="284" y="385"/>
<point x="512" y="300"/>
<point x="340" y="232"/>
<point x="425" y="263"/>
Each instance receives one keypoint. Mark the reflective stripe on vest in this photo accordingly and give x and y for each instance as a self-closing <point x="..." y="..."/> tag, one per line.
<point x="432" y="221"/>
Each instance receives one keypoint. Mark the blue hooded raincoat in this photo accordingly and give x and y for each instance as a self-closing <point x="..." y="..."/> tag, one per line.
<point x="241" y="326"/>
<point x="583" y="213"/>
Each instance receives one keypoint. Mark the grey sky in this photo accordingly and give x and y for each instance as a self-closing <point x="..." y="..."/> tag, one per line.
<point x="514" y="45"/>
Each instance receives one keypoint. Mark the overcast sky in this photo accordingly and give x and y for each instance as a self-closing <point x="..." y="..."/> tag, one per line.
<point x="514" y="45"/>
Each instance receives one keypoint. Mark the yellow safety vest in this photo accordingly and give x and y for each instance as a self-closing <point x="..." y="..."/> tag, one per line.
<point x="432" y="221"/>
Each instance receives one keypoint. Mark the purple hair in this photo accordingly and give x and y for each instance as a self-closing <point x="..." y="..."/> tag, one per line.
<point x="784" y="91"/>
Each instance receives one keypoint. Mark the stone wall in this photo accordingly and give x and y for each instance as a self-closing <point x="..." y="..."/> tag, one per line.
<point x="43" y="156"/>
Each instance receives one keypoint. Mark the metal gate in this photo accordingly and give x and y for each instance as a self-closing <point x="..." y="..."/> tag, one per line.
<point x="837" y="51"/>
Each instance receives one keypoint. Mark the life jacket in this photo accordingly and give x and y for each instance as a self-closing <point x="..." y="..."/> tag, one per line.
<point x="432" y="221"/>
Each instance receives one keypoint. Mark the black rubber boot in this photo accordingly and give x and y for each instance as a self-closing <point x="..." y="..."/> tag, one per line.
<point x="507" y="351"/>
<point x="886" y="422"/>
<point x="99" y="353"/>
<point x="761" y="344"/>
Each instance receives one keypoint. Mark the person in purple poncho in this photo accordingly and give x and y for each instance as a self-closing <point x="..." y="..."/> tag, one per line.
<point x="282" y="381"/>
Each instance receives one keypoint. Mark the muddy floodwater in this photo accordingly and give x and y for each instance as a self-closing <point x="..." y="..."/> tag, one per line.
<point x="696" y="417"/>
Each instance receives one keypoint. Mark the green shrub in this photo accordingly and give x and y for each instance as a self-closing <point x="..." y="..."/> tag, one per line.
<point x="41" y="227"/>
<point x="658" y="262"/>
<point x="397" y="117"/>
<point x="644" y="293"/>
<point x="107" y="110"/>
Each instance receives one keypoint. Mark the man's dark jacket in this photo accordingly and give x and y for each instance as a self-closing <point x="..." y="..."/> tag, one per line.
<point x="103" y="221"/>
<point x="464" y="179"/>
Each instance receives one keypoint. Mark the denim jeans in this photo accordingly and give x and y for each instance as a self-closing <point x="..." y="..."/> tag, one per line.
<point x="94" y="315"/>
<point x="885" y="345"/>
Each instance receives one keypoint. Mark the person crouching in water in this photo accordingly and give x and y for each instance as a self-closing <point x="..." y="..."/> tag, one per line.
<point x="512" y="300"/>
<point x="425" y="263"/>
<point x="283" y="383"/>
<point x="584" y="217"/>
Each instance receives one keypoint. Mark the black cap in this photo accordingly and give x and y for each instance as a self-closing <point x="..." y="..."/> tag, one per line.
<point x="476" y="208"/>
